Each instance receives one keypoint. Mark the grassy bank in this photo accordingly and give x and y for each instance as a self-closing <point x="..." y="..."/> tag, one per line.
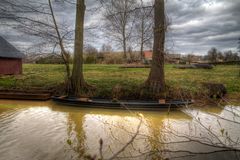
<point x="105" y="77"/>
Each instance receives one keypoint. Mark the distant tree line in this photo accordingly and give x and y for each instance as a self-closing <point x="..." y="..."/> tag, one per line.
<point x="214" y="55"/>
<point x="106" y="55"/>
<point x="91" y="55"/>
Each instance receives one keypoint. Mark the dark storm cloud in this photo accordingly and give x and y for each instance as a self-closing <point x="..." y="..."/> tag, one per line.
<point x="199" y="25"/>
<point x="196" y="25"/>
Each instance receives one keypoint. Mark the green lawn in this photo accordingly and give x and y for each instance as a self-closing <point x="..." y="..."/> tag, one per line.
<point x="105" y="77"/>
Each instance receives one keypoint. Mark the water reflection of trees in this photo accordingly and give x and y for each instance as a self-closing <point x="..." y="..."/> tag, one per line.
<point x="160" y="135"/>
<point x="76" y="133"/>
<point x="117" y="129"/>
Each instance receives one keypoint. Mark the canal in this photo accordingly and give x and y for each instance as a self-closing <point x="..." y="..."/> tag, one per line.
<point x="31" y="130"/>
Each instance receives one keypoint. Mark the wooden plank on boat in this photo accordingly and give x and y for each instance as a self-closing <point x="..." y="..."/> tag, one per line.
<point x="162" y="101"/>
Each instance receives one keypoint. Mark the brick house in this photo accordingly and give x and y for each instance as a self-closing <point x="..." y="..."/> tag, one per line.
<point x="10" y="58"/>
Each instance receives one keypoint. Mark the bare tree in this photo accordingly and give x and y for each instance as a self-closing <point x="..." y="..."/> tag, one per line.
<point x="106" y="48"/>
<point x="64" y="53"/>
<point x="220" y="56"/>
<point x="230" y="56"/>
<point x="189" y="58"/>
<point x="144" y="26"/>
<point x="89" y="49"/>
<point x="212" y="55"/>
<point x="238" y="47"/>
<point x="119" y="22"/>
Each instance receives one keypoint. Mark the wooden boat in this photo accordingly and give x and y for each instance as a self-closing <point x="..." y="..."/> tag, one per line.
<point x="24" y="95"/>
<point x="109" y="104"/>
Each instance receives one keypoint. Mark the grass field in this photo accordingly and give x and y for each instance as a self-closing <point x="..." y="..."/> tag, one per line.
<point x="105" y="77"/>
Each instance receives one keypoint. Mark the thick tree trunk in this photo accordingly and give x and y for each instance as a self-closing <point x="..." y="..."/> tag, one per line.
<point x="77" y="79"/>
<point x="156" y="77"/>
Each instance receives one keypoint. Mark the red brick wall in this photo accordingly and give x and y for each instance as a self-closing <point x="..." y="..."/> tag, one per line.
<point x="10" y="66"/>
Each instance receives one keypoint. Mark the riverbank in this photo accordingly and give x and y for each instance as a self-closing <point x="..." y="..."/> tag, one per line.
<point x="182" y="83"/>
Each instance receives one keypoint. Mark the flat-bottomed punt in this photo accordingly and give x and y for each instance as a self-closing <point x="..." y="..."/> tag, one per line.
<point x="132" y="105"/>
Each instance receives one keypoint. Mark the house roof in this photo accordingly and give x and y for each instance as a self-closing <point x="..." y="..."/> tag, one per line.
<point x="7" y="50"/>
<point x="147" y="54"/>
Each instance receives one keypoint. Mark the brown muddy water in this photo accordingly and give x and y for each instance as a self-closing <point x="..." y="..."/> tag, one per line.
<point x="46" y="131"/>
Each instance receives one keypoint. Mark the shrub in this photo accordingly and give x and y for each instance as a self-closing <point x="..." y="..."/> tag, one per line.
<point x="90" y="59"/>
<point x="113" y="58"/>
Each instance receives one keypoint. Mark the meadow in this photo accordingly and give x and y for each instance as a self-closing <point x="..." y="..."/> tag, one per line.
<point x="105" y="77"/>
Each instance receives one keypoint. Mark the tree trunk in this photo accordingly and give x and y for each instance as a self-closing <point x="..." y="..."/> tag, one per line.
<point x="124" y="45"/>
<point x="141" y="53"/>
<point x="142" y="40"/>
<point x="124" y="33"/>
<point x="156" y="77"/>
<point x="64" y="54"/>
<point x="77" y="79"/>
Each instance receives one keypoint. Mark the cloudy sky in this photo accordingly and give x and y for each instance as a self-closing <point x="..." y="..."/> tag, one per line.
<point x="196" y="25"/>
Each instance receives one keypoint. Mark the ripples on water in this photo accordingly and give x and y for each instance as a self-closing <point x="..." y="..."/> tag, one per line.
<point x="46" y="131"/>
